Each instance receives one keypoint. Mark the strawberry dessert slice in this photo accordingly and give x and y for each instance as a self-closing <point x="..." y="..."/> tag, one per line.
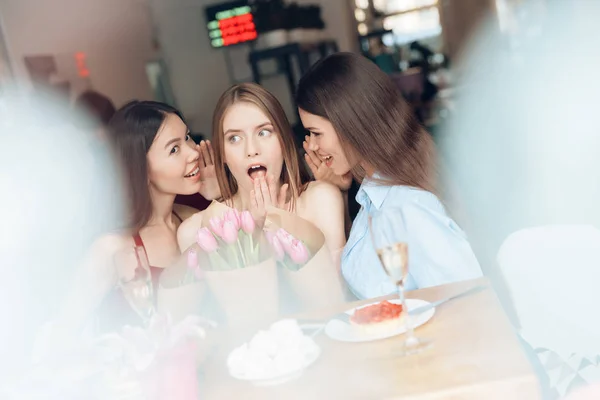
<point x="379" y="318"/>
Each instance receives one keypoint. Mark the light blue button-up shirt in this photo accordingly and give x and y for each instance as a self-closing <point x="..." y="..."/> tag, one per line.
<point x="438" y="250"/>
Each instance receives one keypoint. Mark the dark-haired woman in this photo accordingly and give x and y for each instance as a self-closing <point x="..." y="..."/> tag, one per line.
<point x="359" y="124"/>
<point x="159" y="161"/>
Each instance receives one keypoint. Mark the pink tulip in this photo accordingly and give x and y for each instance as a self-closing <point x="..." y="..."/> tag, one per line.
<point x="192" y="263"/>
<point x="285" y="238"/>
<point x="230" y="233"/>
<point x="233" y="216"/>
<point x="247" y="222"/>
<point x="216" y="224"/>
<point x="192" y="259"/>
<point x="298" y="252"/>
<point x="277" y="248"/>
<point x="206" y="240"/>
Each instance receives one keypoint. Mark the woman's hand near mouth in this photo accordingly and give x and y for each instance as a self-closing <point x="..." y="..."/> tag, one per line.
<point x="210" y="186"/>
<point x="322" y="172"/>
<point x="264" y="195"/>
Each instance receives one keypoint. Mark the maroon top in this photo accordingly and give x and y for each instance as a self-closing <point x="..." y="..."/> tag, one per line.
<point x="115" y="312"/>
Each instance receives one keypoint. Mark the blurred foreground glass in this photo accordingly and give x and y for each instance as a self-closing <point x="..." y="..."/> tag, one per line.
<point x="135" y="280"/>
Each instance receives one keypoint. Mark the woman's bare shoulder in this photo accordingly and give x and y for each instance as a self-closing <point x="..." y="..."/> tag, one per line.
<point x="323" y="204"/>
<point x="194" y="220"/>
<point x="113" y="240"/>
<point x="319" y="192"/>
<point x="318" y="199"/>
<point x="110" y="243"/>
<point x="187" y="230"/>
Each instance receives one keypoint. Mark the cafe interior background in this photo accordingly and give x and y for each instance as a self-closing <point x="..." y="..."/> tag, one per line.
<point x="162" y="49"/>
<point x="435" y="50"/>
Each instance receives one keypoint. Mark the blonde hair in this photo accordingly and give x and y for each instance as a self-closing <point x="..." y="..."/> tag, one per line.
<point x="293" y="172"/>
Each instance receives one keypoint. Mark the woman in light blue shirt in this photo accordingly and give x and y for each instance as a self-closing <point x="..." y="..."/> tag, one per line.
<point x="360" y="125"/>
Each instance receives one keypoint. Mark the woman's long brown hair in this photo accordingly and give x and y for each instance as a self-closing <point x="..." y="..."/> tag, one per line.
<point x="132" y="131"/>
<point x="292" y="171"/>
<point x="374" y="123"/>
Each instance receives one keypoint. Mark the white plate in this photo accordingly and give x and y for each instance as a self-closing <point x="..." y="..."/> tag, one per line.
<point x="282" y="378"/>
<point x="344" y="332"/>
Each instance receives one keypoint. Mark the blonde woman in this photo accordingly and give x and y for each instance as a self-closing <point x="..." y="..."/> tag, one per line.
<point x="258" y="166"/>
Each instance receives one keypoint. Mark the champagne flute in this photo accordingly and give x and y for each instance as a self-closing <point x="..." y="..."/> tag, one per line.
<point x="135" y="280"/>
<point x="392" y="251"/>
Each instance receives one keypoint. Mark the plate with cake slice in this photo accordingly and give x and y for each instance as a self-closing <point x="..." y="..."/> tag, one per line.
<point x="376" y="321"/>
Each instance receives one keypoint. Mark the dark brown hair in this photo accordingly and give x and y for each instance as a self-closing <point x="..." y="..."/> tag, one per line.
<point x="374" y="123"/>
<point x="293" y="172"/>
<point x="132" y="131"/>
<point x="100" y="106"/>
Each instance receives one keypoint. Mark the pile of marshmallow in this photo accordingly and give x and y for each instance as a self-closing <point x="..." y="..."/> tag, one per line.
<point x="281" y="350"/>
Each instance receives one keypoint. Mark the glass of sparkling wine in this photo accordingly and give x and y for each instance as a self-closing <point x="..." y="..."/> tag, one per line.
<point x="135" y="280"/>
<point x="392" y="251"/>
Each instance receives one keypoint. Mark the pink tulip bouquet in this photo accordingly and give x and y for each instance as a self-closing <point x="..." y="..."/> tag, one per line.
<point x="239" y="273"/>
<point x="233" y="242"/>
<point x="230" y="241"/>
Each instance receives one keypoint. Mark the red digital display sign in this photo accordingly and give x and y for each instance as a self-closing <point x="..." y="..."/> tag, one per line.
<point x="230" y="25"/>
<point x="82" y="68"/>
